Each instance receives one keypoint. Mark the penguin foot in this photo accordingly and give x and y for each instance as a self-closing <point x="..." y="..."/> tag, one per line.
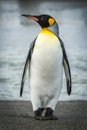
<point x="48" y="114"/>
<point x="38" y="113"/>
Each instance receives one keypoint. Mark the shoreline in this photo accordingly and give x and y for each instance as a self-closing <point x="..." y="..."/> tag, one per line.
<point x="72" y="115"/>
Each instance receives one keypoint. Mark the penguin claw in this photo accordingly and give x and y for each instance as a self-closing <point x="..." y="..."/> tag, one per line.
<point x="38" y="117"/>
<point x="53" y="118"/>
<point x="46" y="118"/>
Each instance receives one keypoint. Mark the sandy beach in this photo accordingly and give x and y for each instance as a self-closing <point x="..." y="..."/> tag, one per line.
<point x="18" y="115"/>
<point x="17" y="33"/>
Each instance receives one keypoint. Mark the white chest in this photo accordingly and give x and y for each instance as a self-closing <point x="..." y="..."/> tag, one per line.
<point x="46" y="62"/>
<point x="46" y="69"/>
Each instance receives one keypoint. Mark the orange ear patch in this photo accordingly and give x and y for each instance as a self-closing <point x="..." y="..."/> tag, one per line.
<point x="51" y="21"/>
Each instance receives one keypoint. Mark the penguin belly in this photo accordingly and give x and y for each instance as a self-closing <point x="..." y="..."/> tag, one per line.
<point x="46" y="70"/>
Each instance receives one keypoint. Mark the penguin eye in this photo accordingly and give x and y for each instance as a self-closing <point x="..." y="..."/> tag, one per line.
<point x="42" y="19"/>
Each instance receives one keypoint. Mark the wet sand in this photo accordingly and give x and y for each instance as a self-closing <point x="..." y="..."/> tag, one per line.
<point x="17" y="33"/>
<point x="18" y="115"/>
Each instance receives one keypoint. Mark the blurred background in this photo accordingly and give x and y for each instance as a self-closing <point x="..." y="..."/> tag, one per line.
<point x="17" y="32"/>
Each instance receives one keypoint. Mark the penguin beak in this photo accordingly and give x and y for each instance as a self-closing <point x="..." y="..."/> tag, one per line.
<point x="31" y="17"/>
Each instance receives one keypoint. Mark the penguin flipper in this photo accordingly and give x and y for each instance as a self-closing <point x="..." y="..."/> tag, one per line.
<point x="28" y="59"/>
<point x="66" y="68"/>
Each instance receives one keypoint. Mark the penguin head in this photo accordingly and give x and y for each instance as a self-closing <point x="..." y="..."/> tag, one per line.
<point x="44" y="20"/>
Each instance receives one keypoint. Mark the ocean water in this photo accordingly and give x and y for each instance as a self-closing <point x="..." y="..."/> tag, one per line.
<point x="17" y="32"/>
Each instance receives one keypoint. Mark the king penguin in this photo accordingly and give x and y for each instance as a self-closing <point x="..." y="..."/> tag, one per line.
<point x="45" y="61"/>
